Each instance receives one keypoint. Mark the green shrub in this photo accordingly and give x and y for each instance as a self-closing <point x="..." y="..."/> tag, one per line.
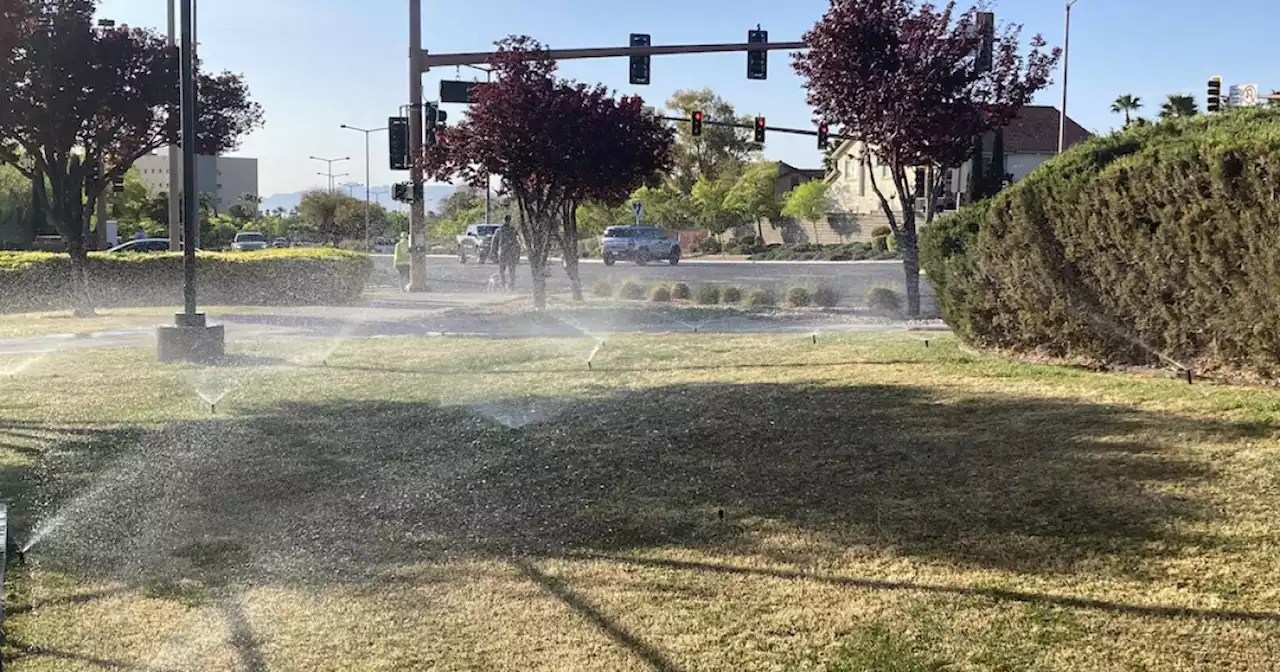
<point x="659" y="293"/>
<point x="749" y="239"/>
<point x="732" y="247"/>
<point x="1158" y="239"/>
<point x="799" y="296"/>
<point x="884" y="298"/>
<point x="710" y="245"/>
<point x="731" y="294"/>
<point x="760" y="298"/>
<point x="708" y="295"/>
<point x="602" y="289"/>
<point x="293" y="276"/>
<point x="879" y="244"/>
<point x="826" y="296"/>
<point x="891" y="243"/>
<point x="631" y="289"/>
<point x="589" y="248"/>
<point x="681" y="292"/>
<point x="881" y="232"/>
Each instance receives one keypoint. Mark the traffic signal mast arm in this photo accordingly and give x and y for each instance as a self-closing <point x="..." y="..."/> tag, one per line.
<point x="427" y="60"/>
<point x="752" y="126"/>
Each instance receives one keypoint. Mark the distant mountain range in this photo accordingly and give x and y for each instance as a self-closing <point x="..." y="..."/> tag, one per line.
<point x="435" y="194"/>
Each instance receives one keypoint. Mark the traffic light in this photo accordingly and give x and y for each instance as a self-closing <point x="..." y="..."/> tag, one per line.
<point x="760" y="129"/>
<point x="398" y="142"/>
<point x="400" y="192"/>
<point x="639" y="64"/>
<point x="824" y="137"/>
<point x="430" y="117"/>
<point x="117" y="184"/>
<point x="758" y="60"/>
<point x="1214" y="101"/>
<point x="695" y="123"/>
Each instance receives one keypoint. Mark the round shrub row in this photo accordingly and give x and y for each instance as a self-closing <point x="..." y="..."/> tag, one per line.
<point x="1153" y="244"/>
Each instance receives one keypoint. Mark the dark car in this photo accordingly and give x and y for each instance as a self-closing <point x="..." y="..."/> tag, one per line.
<point x="143" y="245"/>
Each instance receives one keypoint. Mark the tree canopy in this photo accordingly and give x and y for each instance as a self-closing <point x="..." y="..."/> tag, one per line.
<point x="909" y="82"/>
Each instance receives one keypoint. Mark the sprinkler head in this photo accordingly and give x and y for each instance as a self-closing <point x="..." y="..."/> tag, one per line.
<point x="815" y="338"/>
<point x="1188" y="374"/>
<point x="588" y="364"/>
<point x="926" y="342"/>
<point x="213" y="409"/>
<point x="720" y="513"/>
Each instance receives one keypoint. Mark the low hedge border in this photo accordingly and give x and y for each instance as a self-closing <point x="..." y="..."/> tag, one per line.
<point x="311" y="276"/>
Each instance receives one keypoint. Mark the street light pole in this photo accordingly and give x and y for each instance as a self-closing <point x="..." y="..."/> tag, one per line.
<point x="1066" y="55"/>
<point x="329" y="172"/>
<point x="417" y="214"/>
<point x="175" y="165"/>
<point x="367" y="132"/>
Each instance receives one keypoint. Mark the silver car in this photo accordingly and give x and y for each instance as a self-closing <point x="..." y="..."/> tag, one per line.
<point x="247" y="241"/>
<point x="641" y="244"/>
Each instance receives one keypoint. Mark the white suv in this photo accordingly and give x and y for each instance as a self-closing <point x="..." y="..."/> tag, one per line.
<point x="641" y="244"/>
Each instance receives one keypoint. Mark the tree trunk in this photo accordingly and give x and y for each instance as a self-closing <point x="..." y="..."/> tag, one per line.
<point x="82" y="299"/>
<point x="569" y="249"/>
<point x="909" y="247"/>
<point x="536" y="233"/>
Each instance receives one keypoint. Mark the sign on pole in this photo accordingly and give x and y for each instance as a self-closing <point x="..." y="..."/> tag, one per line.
<point x="638" y="208"/>
<point x="1244" y="95"/>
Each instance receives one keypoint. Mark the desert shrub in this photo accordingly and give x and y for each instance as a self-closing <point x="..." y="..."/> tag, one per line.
<point x="760" y="298"/>
<point x="710" y="245"/>
<point x="630" y="289"/>
<point x="826" y="296"/>
<point x="1161" y="238"/>
<point x="659" y="293"/>
<point x="881" y="232"/>
<point x="731" y="294"/>
<point x="884" y="298"/>
<point x="799" y="296"/>
<point x="602" y="289"/>
<point x="708" y="295"/>
<point x="292" y="276"/>
<point x="681" y="292"/>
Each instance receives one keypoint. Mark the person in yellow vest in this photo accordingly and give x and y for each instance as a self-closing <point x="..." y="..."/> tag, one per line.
<point x="400" y="259"/>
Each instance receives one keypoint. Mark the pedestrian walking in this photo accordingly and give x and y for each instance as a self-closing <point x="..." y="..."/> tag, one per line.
<point x="400" y="259"/>
<point x="507" y="244"/>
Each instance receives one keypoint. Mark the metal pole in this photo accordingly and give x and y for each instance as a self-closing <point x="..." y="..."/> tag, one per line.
<point x="191" y="204"/>
<point x="1066" y="55"/>
<point x="417" y="244"/>
<point x="427" y="61"/>
<point x="175" y="163"/>
<point x="366" y="192"/>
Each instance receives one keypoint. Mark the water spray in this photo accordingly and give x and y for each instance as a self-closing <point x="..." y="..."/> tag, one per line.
<point x="599" y="344"/>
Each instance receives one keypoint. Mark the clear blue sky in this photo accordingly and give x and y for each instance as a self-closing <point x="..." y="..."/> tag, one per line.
<point x="316" y="64"/>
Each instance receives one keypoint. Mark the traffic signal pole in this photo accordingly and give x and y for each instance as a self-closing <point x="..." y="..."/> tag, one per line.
<point x="417" y="209"/>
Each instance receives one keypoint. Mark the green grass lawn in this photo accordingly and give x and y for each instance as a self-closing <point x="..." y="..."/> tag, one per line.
<point x="692" y="502"/>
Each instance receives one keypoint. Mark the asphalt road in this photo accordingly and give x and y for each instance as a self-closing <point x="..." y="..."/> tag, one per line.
<point x="852" y="279"/>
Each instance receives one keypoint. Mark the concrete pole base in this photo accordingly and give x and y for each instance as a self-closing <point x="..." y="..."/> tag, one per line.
<point x="190" y="339"/>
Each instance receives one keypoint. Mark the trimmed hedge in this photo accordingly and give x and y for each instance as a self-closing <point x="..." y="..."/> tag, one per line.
<point x="299" y="276"/>
<point x="1157" y="243"/>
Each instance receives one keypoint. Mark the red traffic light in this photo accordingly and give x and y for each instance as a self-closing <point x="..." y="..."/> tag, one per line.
<point x="760" y="128"/>
<point x="696" y="122"/>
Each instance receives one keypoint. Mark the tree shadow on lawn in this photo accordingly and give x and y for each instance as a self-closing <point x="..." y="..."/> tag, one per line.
<point x="346" y="491"/>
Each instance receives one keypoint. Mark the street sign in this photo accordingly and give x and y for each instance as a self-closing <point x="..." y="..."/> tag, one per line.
<point x="1244" y="95"/>
<point x="638" y="208"/>
<point x="454" y="91"/>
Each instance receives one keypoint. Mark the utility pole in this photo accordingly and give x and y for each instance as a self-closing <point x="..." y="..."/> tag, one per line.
<point x="1066" y="55"/>
<point x="417" y="215"/>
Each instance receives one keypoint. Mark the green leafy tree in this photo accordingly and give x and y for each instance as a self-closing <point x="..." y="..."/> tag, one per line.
<point x="1126" y="104"/>
<point x="594" y="217"/>
<point x="808" y="202"/>
<point x="755" y="196"/>
<point x="1179" y="105"/>
<point x="79" y="104"/>
<point x="717" y="150"/>
<point x="319" y="209"/>
<point x="709" y="208"/>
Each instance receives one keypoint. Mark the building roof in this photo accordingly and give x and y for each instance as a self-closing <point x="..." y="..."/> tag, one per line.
<point x="786" y="169"/>
<point x="1035" y="131"/>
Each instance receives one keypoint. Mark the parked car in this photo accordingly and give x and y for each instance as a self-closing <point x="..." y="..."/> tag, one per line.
<point x="280" y="242"/>
<point x="248" y="241"/>
<point x="641" y="244"/>
<point x="143" y="245"/>
<point x="475" y="242"/>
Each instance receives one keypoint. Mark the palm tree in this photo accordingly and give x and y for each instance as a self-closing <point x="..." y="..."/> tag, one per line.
<point x="1179" y="105"/>
<point x="1126" y="104"/>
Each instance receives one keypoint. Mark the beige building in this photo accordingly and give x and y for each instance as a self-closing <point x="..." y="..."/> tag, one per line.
<point x="228" y="178"/>
<point x="1029" y="140"/>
